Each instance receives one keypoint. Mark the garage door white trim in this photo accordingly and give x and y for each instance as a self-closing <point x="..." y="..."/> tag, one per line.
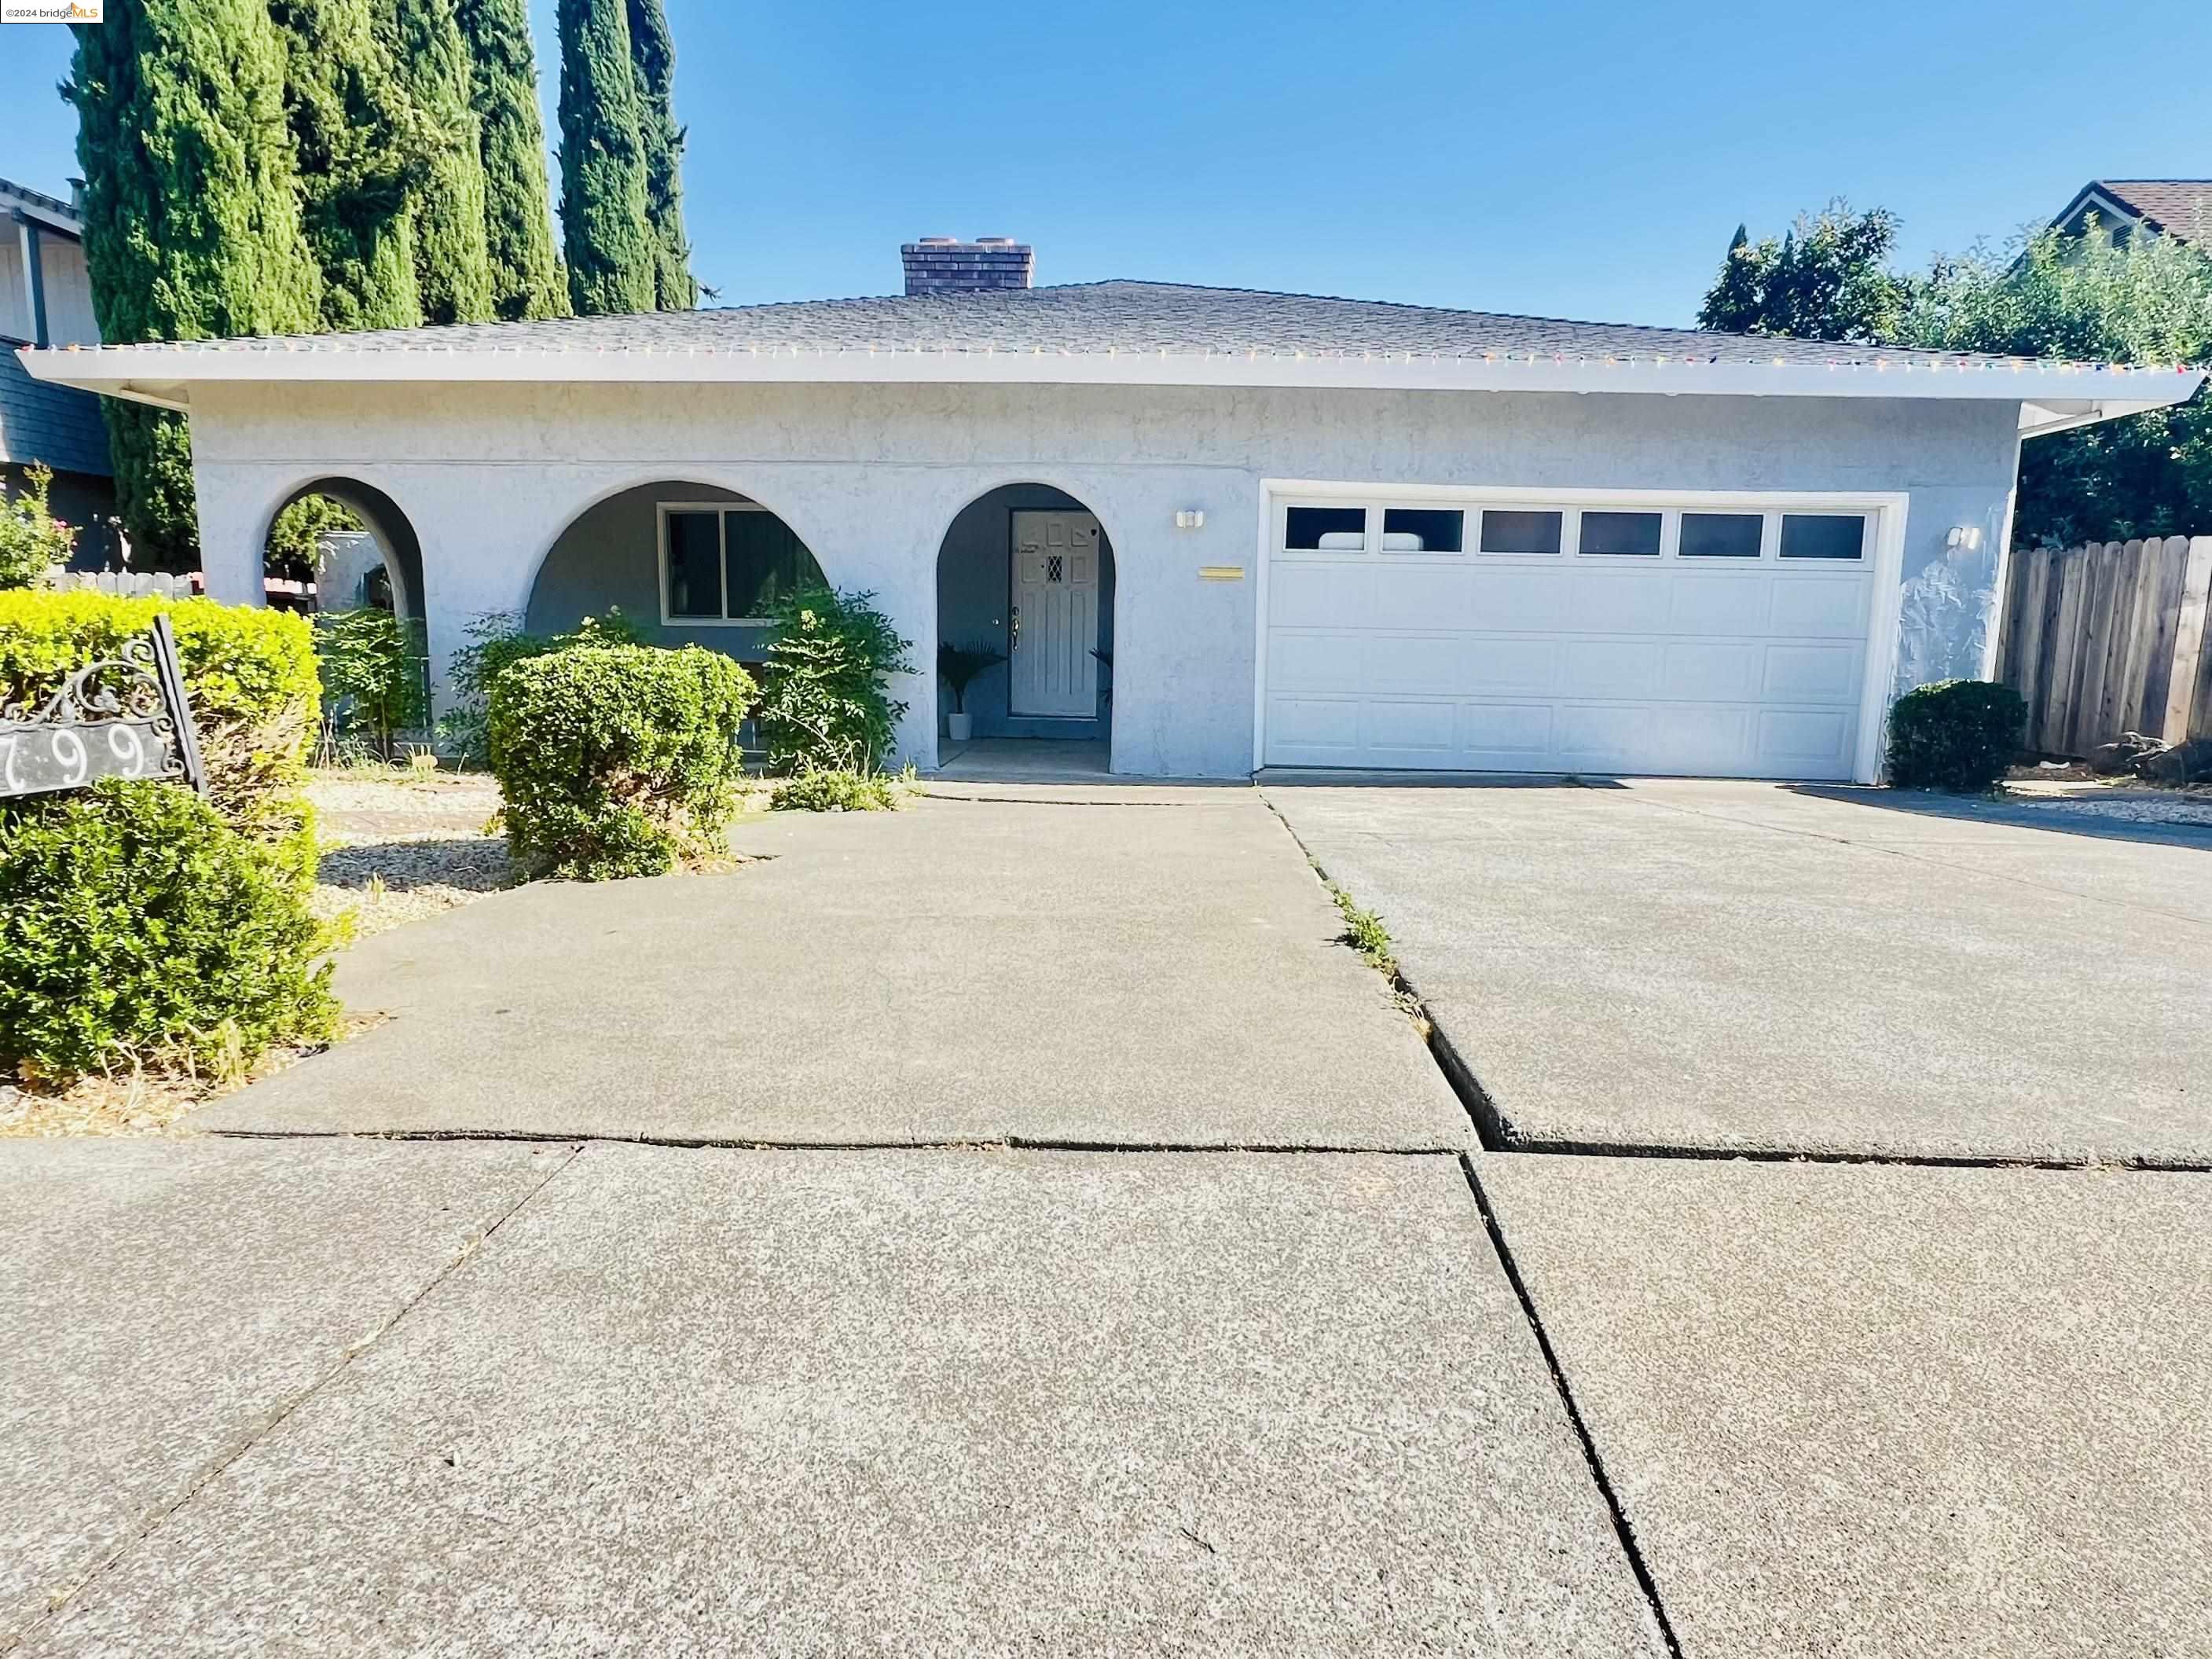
<point x="1884" y="511"/>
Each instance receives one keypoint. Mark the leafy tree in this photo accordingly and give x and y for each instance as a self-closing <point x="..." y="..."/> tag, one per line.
<point x="453" y="255"/>
<point x="295" y="547"/>
<point x="526" y="275"/>
<point x="604" y="224"/>
<point x="1825" y="280"/>
<point x="824" y="707"/>
<point x="191" y="217"/>
<point x="2147" y="301"/>
<point x="363" y="149"/>
<point x="652" y="51"/>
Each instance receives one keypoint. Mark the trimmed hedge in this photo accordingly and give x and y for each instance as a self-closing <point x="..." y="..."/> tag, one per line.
<point x="249" y="671"/>
<point x="137" y="926"/>
<point x="1961" y="735"/>
<point x="616" y="760"/>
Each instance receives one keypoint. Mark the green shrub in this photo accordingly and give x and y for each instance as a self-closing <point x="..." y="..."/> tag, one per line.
<point x="249" y="671"/>
<point x="616" y="760"/>
<point x="1955" y="734"/>
<point x="372" y="664"/>
<point x="836" y="791"/>
<point x="823" y="707"/>
<point x="137" y="925"/>
<point x="496" y="640"/>
<point x="31" y="540"/>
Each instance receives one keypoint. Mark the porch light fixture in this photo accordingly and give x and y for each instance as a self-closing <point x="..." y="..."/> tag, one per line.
<point x="1966" y="537"/>
<point x="1190" y="517"/>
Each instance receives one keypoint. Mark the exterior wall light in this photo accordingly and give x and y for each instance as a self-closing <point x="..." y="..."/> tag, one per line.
<point x="1966" y="537"/>
<point x="1190" y="517"/>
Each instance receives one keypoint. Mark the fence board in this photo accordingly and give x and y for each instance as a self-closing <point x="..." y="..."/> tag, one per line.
<point x="2110" y="637"/>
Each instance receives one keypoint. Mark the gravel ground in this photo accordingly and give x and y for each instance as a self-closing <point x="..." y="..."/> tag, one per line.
<point x="2132" y="802"/>
<point x="398" y="847"/>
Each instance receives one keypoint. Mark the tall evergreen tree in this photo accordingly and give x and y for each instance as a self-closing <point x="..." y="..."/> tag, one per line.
<point x="603" y="196"/>
<point x="452" y="257"/>
<point x="526" y="275"/>
<point x="191" y="217"/>
<point x="363" y="149"/>
<point x="652" y="49"/>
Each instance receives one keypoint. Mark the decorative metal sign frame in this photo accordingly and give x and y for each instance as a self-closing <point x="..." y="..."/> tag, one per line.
<point x="126" y="716"/>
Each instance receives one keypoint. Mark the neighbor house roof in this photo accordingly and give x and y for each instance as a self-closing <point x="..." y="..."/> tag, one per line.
<point x="51" y="213"/>
<point x="1109" y="333"/>
<point x="2179" y="207"/>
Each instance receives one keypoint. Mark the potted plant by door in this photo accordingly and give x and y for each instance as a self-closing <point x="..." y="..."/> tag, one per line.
<point x="958" y="666"/>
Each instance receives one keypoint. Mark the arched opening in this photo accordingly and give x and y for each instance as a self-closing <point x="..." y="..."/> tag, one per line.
<point x="685" y="563"/>
<point x="1025" y="577"/>
<point x="343" y="549"/>
<point x="351" y="544"/>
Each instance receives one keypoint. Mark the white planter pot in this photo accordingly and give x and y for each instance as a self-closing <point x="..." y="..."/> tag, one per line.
<point x="959" y="728"/>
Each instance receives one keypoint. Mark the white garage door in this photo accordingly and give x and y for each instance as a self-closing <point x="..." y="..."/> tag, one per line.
<point x="1557" y="637"/>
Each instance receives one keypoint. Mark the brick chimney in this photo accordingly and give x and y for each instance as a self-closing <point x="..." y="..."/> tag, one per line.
<point x="945" y="264"/>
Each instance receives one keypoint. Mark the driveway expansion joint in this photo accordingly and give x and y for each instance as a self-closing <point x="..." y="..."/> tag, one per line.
<point x="275" y="1419"/>
<point x="1012" y="1143"/>
<point x="1623" y="1528"/>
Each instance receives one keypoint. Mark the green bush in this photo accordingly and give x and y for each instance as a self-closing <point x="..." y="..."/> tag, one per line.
<point x="616" y="760"/>
<point x="249" y="671"/>
<point x="836" y="791"/>
<point x="1956" y="734"/>
<point x="497" y="640"/>
<point x="137" y="925"/>
<point x="823" y="707"/>
<point x="373" y="666"/>
<point x="31" y="540"/>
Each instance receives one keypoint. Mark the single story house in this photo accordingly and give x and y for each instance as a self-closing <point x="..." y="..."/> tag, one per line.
<point x="1220" y="529"/>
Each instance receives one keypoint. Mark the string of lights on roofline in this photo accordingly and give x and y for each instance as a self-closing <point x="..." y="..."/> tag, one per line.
<point x="263" y="345"/>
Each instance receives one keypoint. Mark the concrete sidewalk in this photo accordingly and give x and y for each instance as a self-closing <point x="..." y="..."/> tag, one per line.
<point x="169" y="1300"/>
<point x="1146" y="966"/>
<point x="1748" y="967"/>
<point x="911" y="1402"/>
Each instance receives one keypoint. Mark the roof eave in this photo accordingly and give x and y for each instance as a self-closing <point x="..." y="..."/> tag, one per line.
<point x="166" y="378"/>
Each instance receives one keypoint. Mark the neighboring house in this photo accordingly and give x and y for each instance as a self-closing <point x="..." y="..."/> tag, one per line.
<point x="1306" y="531"/>
<point x="45" y="298"/>
<point x="2179" y="207"/>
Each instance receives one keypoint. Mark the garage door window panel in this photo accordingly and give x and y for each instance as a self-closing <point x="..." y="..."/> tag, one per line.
<point x="1324" y="529"/>
<point x="1512" y="530"/>
<point x="1423" y="530"/>
<point x="1622" y="535"/>
<point x="1823" y="536"/>
<point x="1723" y="535"/>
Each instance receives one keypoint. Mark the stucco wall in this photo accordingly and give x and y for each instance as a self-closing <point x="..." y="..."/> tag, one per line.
<point x="872" y="477"/>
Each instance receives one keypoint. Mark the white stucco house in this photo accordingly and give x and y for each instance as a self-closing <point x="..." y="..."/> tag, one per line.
<point x="1221" y="528"/>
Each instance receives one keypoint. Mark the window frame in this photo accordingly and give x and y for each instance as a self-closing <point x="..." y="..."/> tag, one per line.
<point x="720" y="509"/>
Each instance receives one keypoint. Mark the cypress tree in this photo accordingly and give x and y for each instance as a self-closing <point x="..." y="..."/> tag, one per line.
<point x="603" y="197"/>
<point x="526" y="277"/>
<point x="191" y="217"/>
<point x="362" y="148"/>
<point x="452" y="257"/>
<point x="652" y="51"/>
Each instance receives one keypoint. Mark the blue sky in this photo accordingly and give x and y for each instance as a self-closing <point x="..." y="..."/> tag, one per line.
<point x="1582" y="158"/>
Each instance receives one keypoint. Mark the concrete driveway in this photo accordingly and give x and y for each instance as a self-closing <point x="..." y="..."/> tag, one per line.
<point x="1751" y="967"/>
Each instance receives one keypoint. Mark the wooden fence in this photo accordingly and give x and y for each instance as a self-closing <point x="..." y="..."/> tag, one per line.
<point x="2110" y="638"/>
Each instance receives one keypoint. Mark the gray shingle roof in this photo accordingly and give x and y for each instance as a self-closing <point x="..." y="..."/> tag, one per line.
<point x="56" y="424"/>
<point x="1086" y="319"/>
<point x="2180" y="207"/>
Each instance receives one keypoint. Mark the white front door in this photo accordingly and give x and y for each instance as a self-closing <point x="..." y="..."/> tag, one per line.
<point x="1056" y="614"/>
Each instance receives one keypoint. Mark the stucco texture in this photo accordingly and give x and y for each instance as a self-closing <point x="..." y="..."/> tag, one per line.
<point x="872" y="477"/>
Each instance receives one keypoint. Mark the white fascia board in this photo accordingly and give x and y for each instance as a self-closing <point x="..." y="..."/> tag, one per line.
<point x="2040" y="420"/>
<point x="155" y="374"/>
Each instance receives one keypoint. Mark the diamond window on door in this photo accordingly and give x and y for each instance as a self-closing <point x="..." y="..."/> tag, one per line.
<point x="1054" y="571"/>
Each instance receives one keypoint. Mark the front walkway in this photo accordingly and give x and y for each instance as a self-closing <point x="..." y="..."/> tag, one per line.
<point x="1158" y="968"/>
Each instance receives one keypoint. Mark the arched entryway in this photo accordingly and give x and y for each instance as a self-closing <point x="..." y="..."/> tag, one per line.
<point x="352" y="544"/>
<point x="1026" y="575"/>
<point x="684" y="562"/>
